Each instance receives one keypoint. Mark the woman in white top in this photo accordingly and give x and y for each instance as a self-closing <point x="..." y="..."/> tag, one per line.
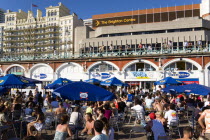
<point x="76" y="117"/>
<point x="107" y="130"/>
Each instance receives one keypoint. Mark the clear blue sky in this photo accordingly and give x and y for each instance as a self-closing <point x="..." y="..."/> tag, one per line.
<point x="86" y="8"/>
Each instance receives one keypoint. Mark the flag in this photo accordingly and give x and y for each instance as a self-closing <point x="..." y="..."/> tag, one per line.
<point x="33" y="5"/>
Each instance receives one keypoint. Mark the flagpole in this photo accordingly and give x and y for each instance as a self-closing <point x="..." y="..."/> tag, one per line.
<point x="146" y="15"/>
<point x="192" y="10"/>
<point x="153" y="15"/>
<point x="176" y="11"/>
<point x="31" y="6"/>
<point x="138" y="15"/>
<point x="168" y="13"/>
<point x="132" y="17"/>
<point x="160" y="14"/>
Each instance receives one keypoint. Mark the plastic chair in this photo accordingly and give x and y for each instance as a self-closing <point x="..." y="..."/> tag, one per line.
<point x="164" y="138"/>
<point x="137" y="129"/>
<point x="174" y="127"/>
<point x="132" y="114"/>
<point x="114" y="123"/>
<point x="74" y="129"/>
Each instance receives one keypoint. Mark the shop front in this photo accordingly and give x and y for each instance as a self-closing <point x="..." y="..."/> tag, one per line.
<point x="104" y="70"/>
<point x="141" y="73"/>
<point x="71" y="71"/>
<point x="42" y="72"/>
<point x="185" y="70"/>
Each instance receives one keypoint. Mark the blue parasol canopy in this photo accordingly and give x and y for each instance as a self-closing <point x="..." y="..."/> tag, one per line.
<point x="93" y="81"/>
<point x="13" y="81"/>
<point x="189" y="89"/>
<point x="168" y="81"/>
<point x="3" y="90"/>
<point x="112" y="82"/>
<point x="83" y="91"/>
<point x="58" y="83"/>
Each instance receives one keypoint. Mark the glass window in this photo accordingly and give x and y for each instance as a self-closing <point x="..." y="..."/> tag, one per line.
<point x="103" y="68"/>
<point x="189" y="66"/>
<point x="16" y="70"/>
<point x="140" y="67"/>
<point x="181" y="65"/>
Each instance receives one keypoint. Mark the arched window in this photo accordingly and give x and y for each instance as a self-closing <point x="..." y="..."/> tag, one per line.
<point x="181" y="65"/>
<point x="16" y="70"/>
<point x="140" y="67"/>
<point x="103" y="67"/>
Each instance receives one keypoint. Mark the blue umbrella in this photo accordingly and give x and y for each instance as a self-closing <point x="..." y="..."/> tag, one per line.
<point x="58" y="83"/>
<point x="173" y="89"/>
<point x="84" y="91"/>
<point x="3" y="90"/>
<point x="31" y="80"/>
<point x="189" y="89"/>
<point x="112" y="82"/>
<point x="196" y="89"/>
<point x="93" y="81"/>
<point x="168" y="81"/>
<point x="13" y="81"/>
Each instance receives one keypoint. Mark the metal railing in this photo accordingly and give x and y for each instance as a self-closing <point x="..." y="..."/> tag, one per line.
<point x="68" y="54"/>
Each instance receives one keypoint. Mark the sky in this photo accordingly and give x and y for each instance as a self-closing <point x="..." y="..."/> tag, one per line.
<point x="86" y="8"/>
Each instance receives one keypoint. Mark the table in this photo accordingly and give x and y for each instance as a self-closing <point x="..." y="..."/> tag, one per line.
<point x="26" y="119"/>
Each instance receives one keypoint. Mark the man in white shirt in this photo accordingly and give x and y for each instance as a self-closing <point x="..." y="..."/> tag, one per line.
<point x="139" y="109"/>
<point x="171" y="115"/>
<point x="207" y="102"/>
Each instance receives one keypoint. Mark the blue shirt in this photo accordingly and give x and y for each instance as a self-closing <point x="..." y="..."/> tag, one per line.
<point x="130" y="98"/>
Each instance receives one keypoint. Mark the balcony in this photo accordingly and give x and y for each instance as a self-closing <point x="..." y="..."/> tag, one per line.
<point x="30" y="29"/>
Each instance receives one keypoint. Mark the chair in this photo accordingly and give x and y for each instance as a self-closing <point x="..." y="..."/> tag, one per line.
<point x="114" y="123"/>
<point x="132" y="114"/>
<point x="137" y="129"/>
<point x="164" y="138"/>
<point x="174" y="127"/>
<point x="74" y="129"/>
<point x="48" y="123"/>
<point x="139" y="116"/>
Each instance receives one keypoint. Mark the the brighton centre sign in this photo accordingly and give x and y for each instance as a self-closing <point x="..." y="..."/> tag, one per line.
<point x="115" y="21"/>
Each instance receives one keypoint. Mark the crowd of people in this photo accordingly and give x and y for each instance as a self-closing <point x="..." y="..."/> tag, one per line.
<point x="158" y="113"/>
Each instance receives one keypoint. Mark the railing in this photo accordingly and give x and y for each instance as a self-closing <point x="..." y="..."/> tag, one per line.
<point x="97" y="52"/>
<point x="84" y="53"/>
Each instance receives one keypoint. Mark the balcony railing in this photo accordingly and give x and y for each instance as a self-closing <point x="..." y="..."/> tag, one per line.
<point x="65" y="53"/>
<point x="30" y="29"/>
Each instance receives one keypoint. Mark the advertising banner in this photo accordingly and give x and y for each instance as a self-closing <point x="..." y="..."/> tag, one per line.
<point x="140" y="75"/>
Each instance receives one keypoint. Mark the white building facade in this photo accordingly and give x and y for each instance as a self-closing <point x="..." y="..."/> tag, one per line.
<point x="40" y="36"/>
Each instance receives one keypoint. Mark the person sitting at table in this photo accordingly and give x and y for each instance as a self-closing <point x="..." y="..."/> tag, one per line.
<point x="38" y="124"/>
<point x="155" y="126"/>
<point x="107" y="130"/>
<point x="30" y="100"/>
<point x="98" y="128"/>
<point x="100" y="113"/>
<point x="157" y="105"/>
<point x="90" y="108"/>
<point x="16" y="110"/>
<point x="3" y="118"/>
<point x="89" y="125"/>
<point x="55" y="102"/>
<point x="76" y="117"/>
<point x="60" y="109"/>
<point x="29" y="109"/>
<point x="63" y="129"/>
<point x="108" y="112"/>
